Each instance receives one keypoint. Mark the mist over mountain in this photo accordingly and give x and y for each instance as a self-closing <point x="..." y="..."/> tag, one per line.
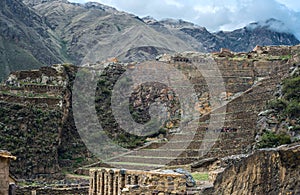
<point x="44" y="32"/>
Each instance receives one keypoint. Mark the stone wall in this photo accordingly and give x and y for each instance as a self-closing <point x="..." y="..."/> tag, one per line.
<point x="53" y="190"/>
<point x="31" y="133"/>
<point x="37" y="101"/>
<point x="134" y="182"/>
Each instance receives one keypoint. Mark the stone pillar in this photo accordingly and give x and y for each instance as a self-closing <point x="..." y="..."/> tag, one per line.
<point x="122" y="179"/>
<point x="116" y="184"/>
<point x="128" y="179"/>
<point x="92" y="182"/>
<point x="110" y="182"/>
<point x="100" y="183"/>
<point x="106" y="183"/>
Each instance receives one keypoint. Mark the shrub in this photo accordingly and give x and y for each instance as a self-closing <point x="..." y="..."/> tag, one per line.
<point x="278" y="104"/>
<point x="270" y="139"/>
<point x="293" y="109"/>
<point x="291" y="89"/>
<point x="129" y="141"/>
<point x="296" y="128"/>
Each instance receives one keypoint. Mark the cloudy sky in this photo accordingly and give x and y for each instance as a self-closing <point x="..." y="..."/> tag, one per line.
<point x="214" y="14"/>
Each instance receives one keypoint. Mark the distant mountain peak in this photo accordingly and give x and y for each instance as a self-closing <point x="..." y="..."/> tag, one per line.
<point x="149" y="20"/>
<point x="272" y="24"/>
<point x="176" y="23"/>
<point x="36" y="2"/>
<point x="99" y="6"/>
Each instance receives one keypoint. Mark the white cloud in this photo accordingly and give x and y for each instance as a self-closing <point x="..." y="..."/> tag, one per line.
<point x="291" y="4"/>
<point x="174" y="2"/>
<point x="215" y="15"/>
<point x="79" y="1"/>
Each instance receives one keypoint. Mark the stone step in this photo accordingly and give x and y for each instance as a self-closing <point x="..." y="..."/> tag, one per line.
<point x="177" y="143"/>
<point x="135" y="166"/>
<point x="199" y="136"/>
<point x="153" y="160"/>
<point x="164" y="157"/>
<point x="197" y="142"/>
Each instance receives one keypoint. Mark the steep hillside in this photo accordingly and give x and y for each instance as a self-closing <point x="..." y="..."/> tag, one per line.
<point x="25" y="39"/>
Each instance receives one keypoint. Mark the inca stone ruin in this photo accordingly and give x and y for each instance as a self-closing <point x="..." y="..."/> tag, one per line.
<point x="250" y="82"/>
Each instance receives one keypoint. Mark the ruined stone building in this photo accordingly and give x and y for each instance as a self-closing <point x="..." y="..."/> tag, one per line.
<point x="135" y="182"/>
<point x="5" y="158"/>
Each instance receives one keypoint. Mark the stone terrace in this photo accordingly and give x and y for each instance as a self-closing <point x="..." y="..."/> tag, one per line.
<point x="251" y="79"/>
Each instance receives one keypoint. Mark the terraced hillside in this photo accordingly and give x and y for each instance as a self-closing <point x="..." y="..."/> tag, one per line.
<point x="37" y="112"/>
<point x="251" y="79"/>
<point x="35" y="122"/>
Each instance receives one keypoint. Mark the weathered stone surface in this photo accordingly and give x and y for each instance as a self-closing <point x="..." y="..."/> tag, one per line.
<point x="275" y="119"/>
<point x="268" y="171"/>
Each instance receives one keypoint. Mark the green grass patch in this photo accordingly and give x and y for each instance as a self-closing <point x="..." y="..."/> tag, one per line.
<point x="200" y="176"/>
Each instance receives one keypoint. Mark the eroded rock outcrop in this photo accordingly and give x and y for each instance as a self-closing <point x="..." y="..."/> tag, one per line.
<point x="268" y="171"/>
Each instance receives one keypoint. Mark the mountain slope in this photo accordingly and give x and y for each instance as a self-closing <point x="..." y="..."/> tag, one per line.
<point x="25" y="39"/>
<point x="90" y="29"/>
<point x="44" y="32"/>
<point x="94" y="32"/>
<point x="240" y="40"/>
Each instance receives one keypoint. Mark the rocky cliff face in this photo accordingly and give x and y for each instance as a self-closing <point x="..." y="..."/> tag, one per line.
<point x="268" y="171"/>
